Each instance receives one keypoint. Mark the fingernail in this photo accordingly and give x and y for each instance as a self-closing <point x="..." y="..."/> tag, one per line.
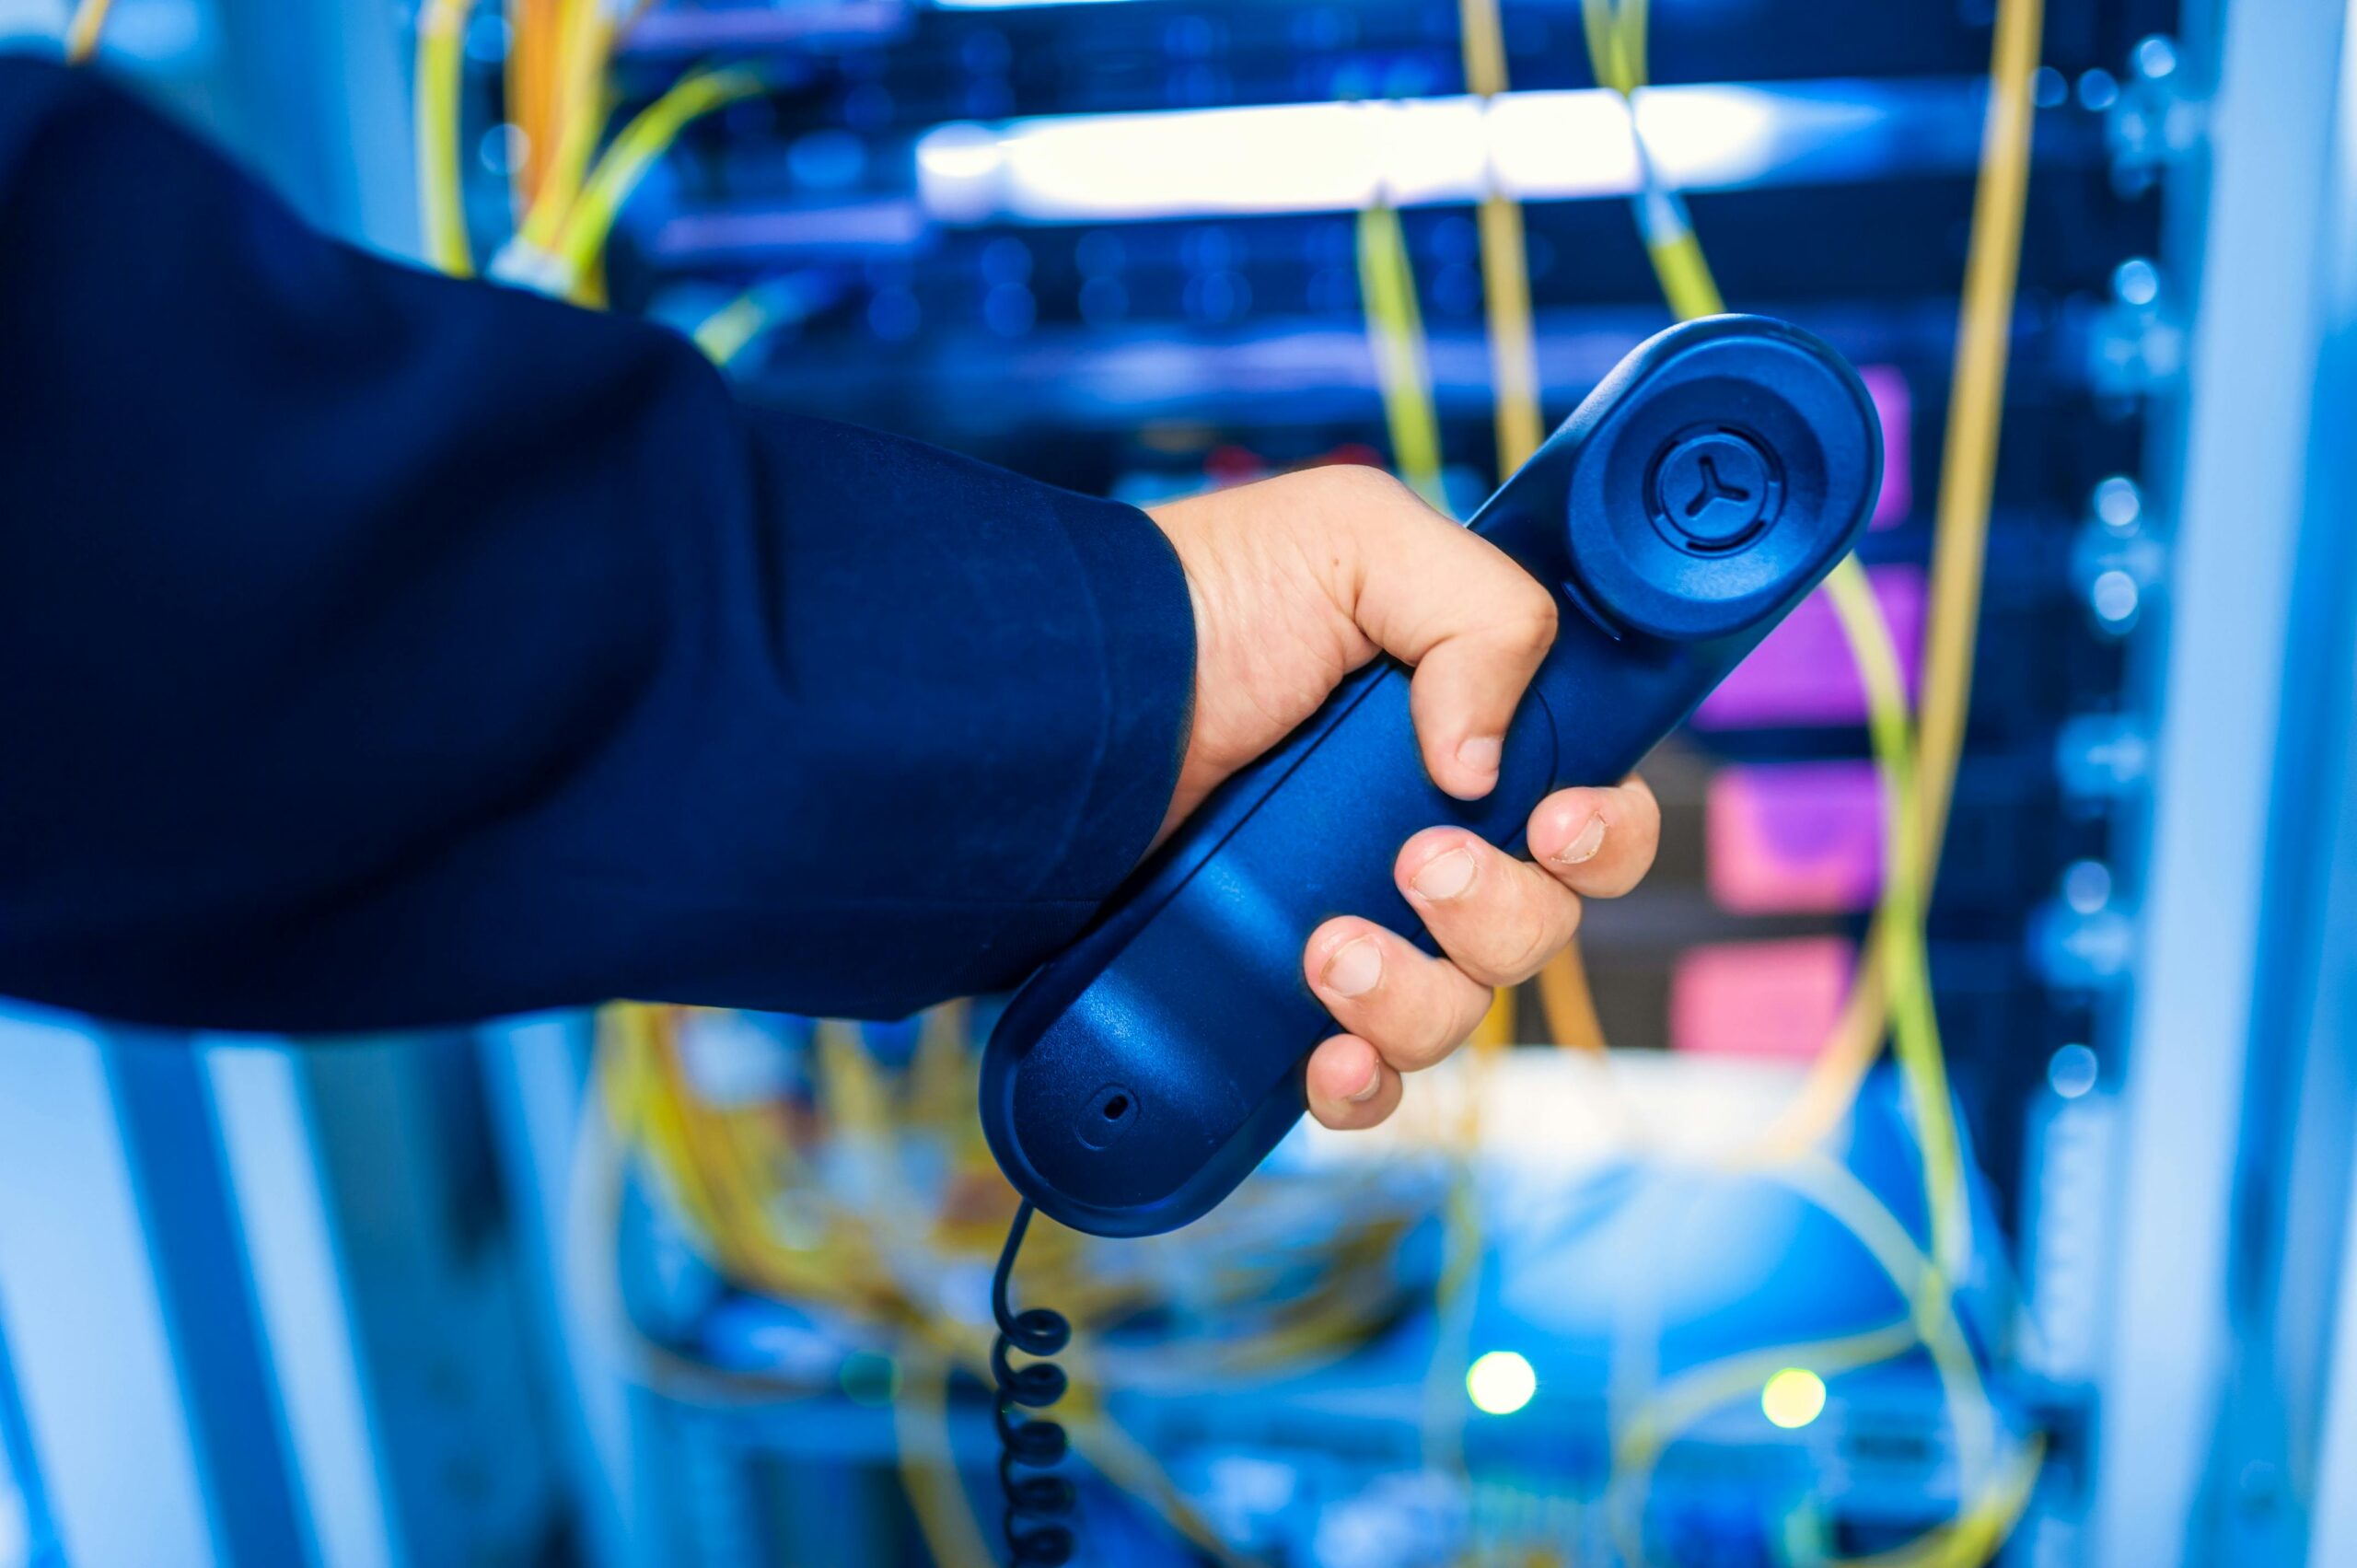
<point x="1356" y="969"/>
<point x="1583" y="848"/>
<point x="1374" y="1087"/>
<point x="1481" y="753"/>
<point x="1445" y="876"/>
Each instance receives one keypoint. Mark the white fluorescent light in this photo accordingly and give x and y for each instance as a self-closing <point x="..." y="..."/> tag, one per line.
<point x="1338" y="157"/>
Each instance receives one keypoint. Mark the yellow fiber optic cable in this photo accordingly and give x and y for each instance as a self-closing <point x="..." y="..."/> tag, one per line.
<point x="1967" y="469"/>
<point x="1975" y="405"/>
<point x="1836" y="1191"/>
<point x="441" y="57"/>
<point x="81" y="34"/>
<point x="645" y="140"/>
<point x="1617" y="38"/>
<point x="1906" y="971"/>
<point x="583" y="45"/>
<point x="728" y="332"/>
<point x="724" y="1177"/>
<point x="1505" y="272"/>
<point x="1568" y="1002"/>
<point x="928" y="1464"/>
<point x="527" y="71"/>
<point x="1899" y="968"/>
<point x="1396" y="334"/>
<point x="1685" y="1400"/>
<point x="1981" y="1524"/>
<point x="1565" y="995"/>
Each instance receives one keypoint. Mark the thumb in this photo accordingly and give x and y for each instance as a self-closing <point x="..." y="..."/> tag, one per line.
<point x="1473" y="623"/>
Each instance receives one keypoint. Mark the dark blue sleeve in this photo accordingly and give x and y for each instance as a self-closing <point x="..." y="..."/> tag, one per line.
<point x="378" y="649"/>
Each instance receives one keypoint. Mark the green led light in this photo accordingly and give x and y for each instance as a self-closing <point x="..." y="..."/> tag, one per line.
<point x="869" y="1379"/>
<point x="1500" y="1383"/>
<point x="1793" y="1398"/>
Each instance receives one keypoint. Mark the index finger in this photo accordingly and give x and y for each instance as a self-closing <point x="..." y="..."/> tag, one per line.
<point x="1473" y="623"/>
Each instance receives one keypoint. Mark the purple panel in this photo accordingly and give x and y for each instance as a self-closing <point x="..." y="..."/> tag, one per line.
<point x="1894" y="406"/>
<point x="1794" y="838"/>
<point x="1803" y="675"/>
<point x="1772" y="999"/>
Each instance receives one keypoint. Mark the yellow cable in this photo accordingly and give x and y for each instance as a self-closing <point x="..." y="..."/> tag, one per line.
<point x="645" y="140"/>
<point x="1906" y="972"/>
<point x="1900" y="972"/>
<point x="928" y="1464"/>
<point x="1685" y="275"/>
<point x="441" y="56"/>
<point x="1976" y="407"/>
<point x="728" y="332"/>
<point x="1565" y="997"/>
<point x="1395" y="330"/>
<point x="81" y="34"/>
<point x="1967" y="469"/>
<point x="1505" y="273"/>
<point x="1995" y="1504"/>
<point x="1685" y="1400"/>
<point x="1455" y="1297"/>
<point x="1836" y="1191"/>
<point x="528" y="94"/>
<point x="720" y="1175"/>
<point x="1568" y="1002"/>
<point x="577" y="117"/>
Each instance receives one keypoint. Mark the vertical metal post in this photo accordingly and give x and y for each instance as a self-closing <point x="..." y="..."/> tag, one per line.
<point x="149" y="1417"/>
<point x="538" y="1078"/>
<point x="2246" y="451"/>
<point x="2292" y="1189"/>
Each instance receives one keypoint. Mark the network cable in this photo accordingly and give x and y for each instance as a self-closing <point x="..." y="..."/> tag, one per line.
<point x="1968" y="470"/>
<point x="83" y="32"/>
<point x="1566" y="1000"/>
<point x="1616" y="43"/>
<point x="566" y="194"/>
<point x="721" y="1166"/>
<point x="1506" y="275"/>
<point x="441" y="61"/>
<point x="582" y="238"/>
<point x="1403" y="368"/>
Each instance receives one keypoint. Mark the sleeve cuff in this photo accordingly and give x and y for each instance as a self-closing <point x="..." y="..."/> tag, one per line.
<point x="1146" y="623"/>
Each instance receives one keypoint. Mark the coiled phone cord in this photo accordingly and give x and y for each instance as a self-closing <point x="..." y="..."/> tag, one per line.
<point x="1035" y="1503"/>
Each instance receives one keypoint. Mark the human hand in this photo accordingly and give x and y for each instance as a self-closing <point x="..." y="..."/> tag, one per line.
<point x="1296" y="582"/>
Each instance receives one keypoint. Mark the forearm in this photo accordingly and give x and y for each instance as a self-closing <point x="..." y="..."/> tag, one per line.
<point x="380" y="649"/>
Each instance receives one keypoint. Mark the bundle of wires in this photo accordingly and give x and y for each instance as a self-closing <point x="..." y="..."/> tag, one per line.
<point x="1917" y="766"/>
<point x="759" y="1191"/>
<point x="566" y="192"/>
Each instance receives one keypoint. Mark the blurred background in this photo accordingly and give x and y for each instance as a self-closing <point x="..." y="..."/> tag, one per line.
<point x="1945" y="1158"/>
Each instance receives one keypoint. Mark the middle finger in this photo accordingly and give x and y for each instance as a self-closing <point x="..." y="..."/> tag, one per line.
<point x="1500" y="919"/>
<point x="1413" y="1008"/>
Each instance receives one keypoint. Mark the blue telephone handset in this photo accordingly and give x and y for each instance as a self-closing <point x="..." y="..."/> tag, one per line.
<point x="1693" y="499"/>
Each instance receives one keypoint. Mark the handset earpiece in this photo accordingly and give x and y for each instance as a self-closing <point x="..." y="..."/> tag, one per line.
<point x="1684" y="508"/>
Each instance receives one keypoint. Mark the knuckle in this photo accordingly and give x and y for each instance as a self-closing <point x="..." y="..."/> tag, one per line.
<point x="1424" y="1041"/>
<point x="1535" y="604"/>
<point x="1529" y="618"/>
<point x="1519" y="950"/>
<point x="1517" y="956"/>
<point x="1430" y="1050"/>
<point x="1360" y="483"/>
